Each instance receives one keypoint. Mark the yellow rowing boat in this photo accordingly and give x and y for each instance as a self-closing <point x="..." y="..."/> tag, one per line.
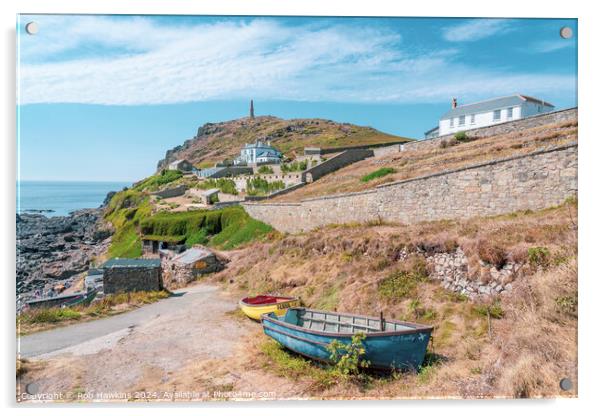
<point x="256" y="306"/>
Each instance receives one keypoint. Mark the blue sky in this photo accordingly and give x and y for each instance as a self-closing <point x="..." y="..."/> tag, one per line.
<point x="103" y="97"/>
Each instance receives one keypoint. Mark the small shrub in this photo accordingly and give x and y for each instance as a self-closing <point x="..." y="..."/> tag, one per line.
<point x="347" y="358"/>
<point x="492" y="254"/>
<point x="265" y="170"/>
<point x="538" y="256"/>
<point x="443" y="144"/>
<point x="377" y="174"/>
<point x="461" y="136"/>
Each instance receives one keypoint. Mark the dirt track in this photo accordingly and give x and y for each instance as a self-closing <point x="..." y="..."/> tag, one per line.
<point x="191" y="345"/>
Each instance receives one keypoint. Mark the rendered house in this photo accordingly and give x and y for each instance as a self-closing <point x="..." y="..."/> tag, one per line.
<point x="258" y="153"/>
<point x="489" y="112"/>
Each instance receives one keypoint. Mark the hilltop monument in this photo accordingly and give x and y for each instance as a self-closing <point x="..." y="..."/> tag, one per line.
<point x="251" y="111"/>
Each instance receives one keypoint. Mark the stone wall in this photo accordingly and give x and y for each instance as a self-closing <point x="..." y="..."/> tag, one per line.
<point x="501" y="128"/>
<point x="131" y="279"/>
<point x="171" y="192"/>
<point x="452" y="271"/>
<point x="533" y="181"/>
<point x="335" y="163"/>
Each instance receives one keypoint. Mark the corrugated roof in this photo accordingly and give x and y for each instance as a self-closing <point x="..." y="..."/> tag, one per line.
<point x="192" y="255"/>
<point x="490" y="105"/>
<point x="117" y="262"/>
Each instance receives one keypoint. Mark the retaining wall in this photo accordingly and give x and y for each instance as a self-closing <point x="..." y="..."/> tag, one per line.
<point x="533" y="181"/>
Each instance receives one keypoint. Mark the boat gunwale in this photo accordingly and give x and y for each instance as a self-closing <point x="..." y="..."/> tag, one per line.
<point x="417" y="328"/>
<point x="251" y="305"/>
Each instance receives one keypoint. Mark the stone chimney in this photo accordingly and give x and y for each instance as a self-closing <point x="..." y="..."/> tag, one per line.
<point x="251" y="111"/>
<point x="454" y="102"/>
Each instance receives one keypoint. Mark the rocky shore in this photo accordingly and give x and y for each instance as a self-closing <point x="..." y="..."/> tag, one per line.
<point x="53" y="249"/>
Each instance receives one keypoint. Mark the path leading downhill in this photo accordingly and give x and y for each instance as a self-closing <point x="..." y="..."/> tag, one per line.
<point x="157" y="343"/>
<point x="46" y="342"/>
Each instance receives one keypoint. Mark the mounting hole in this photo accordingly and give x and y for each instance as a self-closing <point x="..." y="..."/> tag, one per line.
<point x="566" y="32"/>
<point x="32" y="28"/>
<point x="566" y="384"/>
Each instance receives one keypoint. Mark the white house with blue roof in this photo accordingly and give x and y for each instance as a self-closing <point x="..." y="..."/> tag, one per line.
<point x="489" y="112"/>
<point x="258" y="153"/>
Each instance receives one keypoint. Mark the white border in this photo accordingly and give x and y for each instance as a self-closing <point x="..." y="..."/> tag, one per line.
<point x="590" y="111"/>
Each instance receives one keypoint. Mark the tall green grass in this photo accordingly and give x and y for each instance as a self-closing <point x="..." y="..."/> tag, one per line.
<point x="153" y="183"/>
<point x="377" y="174"/>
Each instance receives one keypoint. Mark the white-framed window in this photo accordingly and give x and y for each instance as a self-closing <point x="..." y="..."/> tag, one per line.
<point x="509" y="113"/>
<point x="461" y="120"/>
<point x="451" y="122"/>
<point x="472" y="119"/>
<point x="497" y="115"/>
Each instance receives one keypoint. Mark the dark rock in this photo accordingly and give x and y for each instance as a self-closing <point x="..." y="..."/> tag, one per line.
<point x="42" y="252"/>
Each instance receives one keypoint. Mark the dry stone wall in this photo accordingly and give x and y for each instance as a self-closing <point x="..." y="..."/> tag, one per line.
<point x="533" y="181"/>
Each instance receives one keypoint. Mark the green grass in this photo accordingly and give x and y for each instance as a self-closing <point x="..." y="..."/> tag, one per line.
<point x="402" y="284"/>
<point x="40" y="319"/>
<point x="295" y="367"/>
<point x="294" y="166"/>
<point x="225" y="185"/>
<point x="226" y="228"/>
<point x="153" y="183"/>
<point x="377" y="174"/>
<point x="125" y="211"/>
<point x="51" y="315"/>
<point x="260" y="186"/>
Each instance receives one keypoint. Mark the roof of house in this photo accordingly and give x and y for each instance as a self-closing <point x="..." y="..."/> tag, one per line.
<point x="492" y="104"/>
<point x="117" y="262"/>
<point x="192" y="255"/>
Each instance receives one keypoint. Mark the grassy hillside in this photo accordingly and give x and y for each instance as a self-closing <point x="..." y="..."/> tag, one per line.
<point x="217" y="141"/>
<point x="516" y="345"/>
<point x="131" y="215"/>
<point x="453" y="154"/>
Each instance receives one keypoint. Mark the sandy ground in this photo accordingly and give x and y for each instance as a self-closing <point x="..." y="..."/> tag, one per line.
<point x="197" y="349"/>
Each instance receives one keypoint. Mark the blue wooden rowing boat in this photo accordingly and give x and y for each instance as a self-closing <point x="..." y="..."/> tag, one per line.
<point x="389" y="343"/>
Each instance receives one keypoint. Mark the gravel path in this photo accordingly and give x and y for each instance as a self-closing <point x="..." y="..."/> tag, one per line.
<point x="154" y="345"/>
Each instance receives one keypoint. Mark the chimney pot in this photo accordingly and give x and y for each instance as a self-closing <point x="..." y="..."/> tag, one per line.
<point x="454" y="102"/>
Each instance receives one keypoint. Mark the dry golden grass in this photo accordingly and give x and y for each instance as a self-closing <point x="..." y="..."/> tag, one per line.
<point x="522" y="348"/>
<point x="414" y="163"/>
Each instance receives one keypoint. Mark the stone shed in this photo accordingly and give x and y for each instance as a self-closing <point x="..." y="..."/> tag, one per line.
<point x="131" y="275"/>
<point x="183" y="268"/>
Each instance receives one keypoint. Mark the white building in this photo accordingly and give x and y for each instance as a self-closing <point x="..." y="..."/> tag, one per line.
<point x="258" y="153"/>
<point x="489" y="112"/>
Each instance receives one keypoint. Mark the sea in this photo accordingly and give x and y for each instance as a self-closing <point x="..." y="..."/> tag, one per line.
<point x="54" y="198"/>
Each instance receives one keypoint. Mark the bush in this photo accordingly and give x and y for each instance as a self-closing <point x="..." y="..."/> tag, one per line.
<point x="225" y="185"/>
<point x="491" y="253"/>
<point x="377" y="174"/>
<point x="538" y="256"/>
<point x="264" y="170"/>
<point x="294" y="166"/>
<point x="461" y="136"/>
<point x="347" y="358"/>
<point x="260" y="186"/>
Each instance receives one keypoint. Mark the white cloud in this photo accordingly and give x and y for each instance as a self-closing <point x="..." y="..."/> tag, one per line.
<point x="132" y="61"/>
<point x="473" y="30"/>
<point x="550" y="46"/>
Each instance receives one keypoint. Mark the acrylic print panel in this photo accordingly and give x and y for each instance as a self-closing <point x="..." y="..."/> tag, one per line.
<point x="229" y="208"/>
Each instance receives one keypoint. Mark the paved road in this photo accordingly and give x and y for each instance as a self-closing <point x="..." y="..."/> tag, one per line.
<point x="60" y="338"/>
